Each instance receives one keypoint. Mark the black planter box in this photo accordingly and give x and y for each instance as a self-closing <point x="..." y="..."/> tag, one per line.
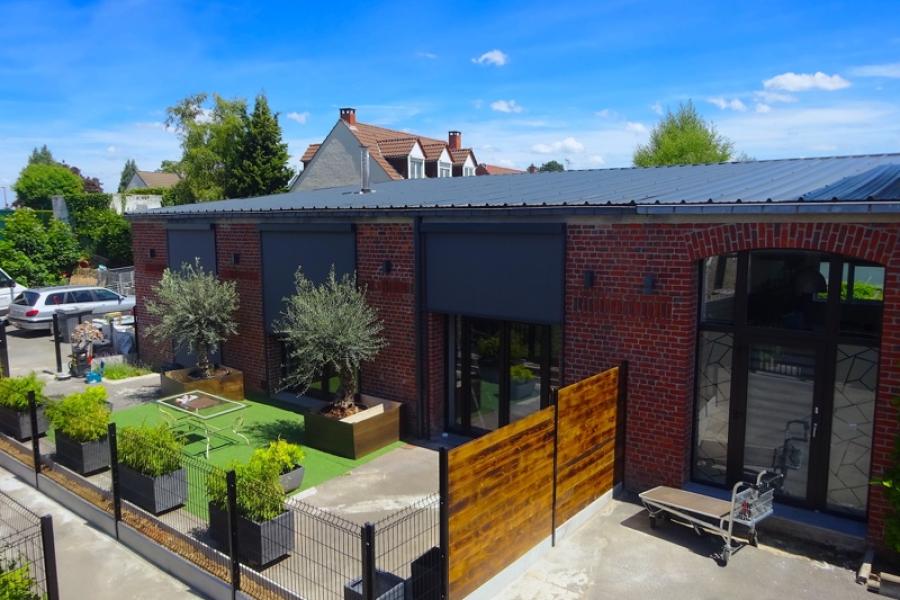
<point x="387" y="587"/>
<point x="18" y="424"/>
<point x="84" y="459"/>
<point x="425" y="582"/>
<point x="153" y="494"/>
<point x="292" y="480"/>
<point x="259" y="544"/>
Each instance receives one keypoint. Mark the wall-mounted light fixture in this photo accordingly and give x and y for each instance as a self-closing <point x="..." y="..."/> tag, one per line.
<point x="588" y="279"/>
<point x="152" y="253"/>
<point x="649" y="283"/>
<point x="236" y="258"/>
<point x="387" y="266"/>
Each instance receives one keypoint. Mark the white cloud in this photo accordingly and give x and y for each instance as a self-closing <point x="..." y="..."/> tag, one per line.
<point x="634" y="127"/>
<point x="657" y="108"/>
<point x="772" y="97"/>
<point x="802" y="82"/>
<point x="891" y="70"/>
<point x="111" y="149"/>
<point x="478" y="103"/>
<point x="763" y="108"/>
<point x="494" y="57"/>
<point x="604" y="114"/>
<point x="506" y="106"/>
<point x="428" y="55"/>
<point x="299" y="117"/>
<point x="596" y="159"/>
<point x="568" y="145"/>
<point x="725" y="103"/>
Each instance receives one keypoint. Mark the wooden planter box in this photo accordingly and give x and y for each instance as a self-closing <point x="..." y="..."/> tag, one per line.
<point x="387" y="587"/>
<point x="357" y="435"/>
<point x="292" y="480"/>
<point x="229" y="386"/>
<point x="83" y="458"/>
<point x="18" y="424"/>
<point x="259" y="544"/>
<point x="153" y="494"/>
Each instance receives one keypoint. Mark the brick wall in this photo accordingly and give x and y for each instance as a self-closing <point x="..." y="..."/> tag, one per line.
<point x="392" y="375"/>
<point x="149" y="236"/>
<point x="615" y="321"/>
<point x="245" y="351"/>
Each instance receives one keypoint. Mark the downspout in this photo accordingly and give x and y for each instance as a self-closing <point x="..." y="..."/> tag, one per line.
<point x="421" y="334"/>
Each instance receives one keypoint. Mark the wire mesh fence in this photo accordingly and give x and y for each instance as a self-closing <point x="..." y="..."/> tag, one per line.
<point x="23" y="572"/>
<point x="407" y="549"/>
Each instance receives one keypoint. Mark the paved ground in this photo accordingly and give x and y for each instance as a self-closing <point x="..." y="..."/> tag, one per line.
<point x="617" y="555"/>
<point x="90" y="563"/>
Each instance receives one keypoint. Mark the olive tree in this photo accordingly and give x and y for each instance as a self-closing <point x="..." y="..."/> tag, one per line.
<point x="329" y="325"/>
<point x="195" y="310"/>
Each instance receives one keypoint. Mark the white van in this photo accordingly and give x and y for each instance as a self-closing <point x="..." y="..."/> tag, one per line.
<point x="9" y="289"/>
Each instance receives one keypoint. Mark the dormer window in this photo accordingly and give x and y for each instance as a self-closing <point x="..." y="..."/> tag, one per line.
<point x="468" y="171"/>
<point x="416" y="168"/>
<point x="445" y="169"/>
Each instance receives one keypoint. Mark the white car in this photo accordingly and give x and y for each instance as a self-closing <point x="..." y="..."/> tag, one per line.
<point x="9" y="289"/>
<point x="33" y="309"/>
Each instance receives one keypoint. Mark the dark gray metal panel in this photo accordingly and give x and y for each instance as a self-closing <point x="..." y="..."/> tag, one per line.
<point x="283" y="252"/>
<point x="515" y="276"/>
<point x="186" y="244"/>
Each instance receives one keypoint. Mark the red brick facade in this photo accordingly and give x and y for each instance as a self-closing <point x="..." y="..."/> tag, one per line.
<point x="149" y="238"/>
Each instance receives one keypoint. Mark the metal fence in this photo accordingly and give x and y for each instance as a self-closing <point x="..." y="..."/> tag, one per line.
<point x="407" y="549"/>
<point x="27" y="555"/>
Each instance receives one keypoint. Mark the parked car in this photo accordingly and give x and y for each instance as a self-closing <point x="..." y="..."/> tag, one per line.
<point x="33" y="309"/>
<point x="9" y="289"/>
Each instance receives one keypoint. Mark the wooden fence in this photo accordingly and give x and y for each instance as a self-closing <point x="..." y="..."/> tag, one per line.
<point x="507" y="491"/>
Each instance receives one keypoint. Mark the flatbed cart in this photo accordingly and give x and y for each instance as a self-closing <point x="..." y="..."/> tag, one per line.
<point x="750" y="503"/>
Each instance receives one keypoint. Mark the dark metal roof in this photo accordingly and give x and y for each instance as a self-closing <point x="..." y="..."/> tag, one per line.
<point x="841" y="178"/>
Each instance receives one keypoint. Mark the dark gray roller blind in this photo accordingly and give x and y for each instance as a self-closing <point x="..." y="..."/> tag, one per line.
<point x="512" y="272"/>
<point x="315" y="250"/>
<point x="186" y="243"/>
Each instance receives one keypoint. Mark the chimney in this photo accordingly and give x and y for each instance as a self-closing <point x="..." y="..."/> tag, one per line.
<point x="454" y="140"/>
<point x="532" y="169"/>
<point x="364" y="169"/>
<point x="349" y="115"/>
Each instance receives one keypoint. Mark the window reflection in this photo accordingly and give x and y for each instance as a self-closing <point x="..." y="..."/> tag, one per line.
<point x="719" y="281"/>
<point x="787" y="290"/>
<point x="862" y="297"/>
<point x="712" y="406"/>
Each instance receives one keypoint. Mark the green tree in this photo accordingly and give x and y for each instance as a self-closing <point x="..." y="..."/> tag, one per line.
<point x="91" y="185"/>
<point x="36" y="254"/>
<point x="552" y="166"/>
<point x="39" y="182"/>
<point x="128" y="172"/>
<point x="683" y="138"/>
<point x="41" y="156"/>
<point x="105" y="234"/>
<point x="261" y="164"/>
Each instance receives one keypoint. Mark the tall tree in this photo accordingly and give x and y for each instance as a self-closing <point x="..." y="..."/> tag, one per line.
<point x="39" y="182"/>
<point x="128" y="172"/>
<point x="41" y="156"/>
<point x="552" y="166"/>
<point x="91" y="185"/>
<point x="261" y="164"/>
<point x="683" y="138"/>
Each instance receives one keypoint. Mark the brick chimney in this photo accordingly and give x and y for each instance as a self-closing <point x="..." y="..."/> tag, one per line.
<point x="349" y="115"/>
<point x="454" y="140"/>
<point x="532" y="169"/>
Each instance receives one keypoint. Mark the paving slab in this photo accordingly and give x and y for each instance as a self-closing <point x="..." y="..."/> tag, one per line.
<point x="617" y="555"/>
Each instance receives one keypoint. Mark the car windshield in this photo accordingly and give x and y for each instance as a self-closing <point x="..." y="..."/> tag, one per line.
<point x="27" y="299"/>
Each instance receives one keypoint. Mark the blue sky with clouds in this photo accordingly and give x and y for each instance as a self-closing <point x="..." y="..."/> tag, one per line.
<point x="524" y="81"/>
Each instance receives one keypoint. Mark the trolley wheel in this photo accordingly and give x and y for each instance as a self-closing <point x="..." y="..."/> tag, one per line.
<point x="723" y="558"/>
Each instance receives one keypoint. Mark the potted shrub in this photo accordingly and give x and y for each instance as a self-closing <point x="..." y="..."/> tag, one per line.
<point x="80" y="423"/>
<point x="289" y="460"/>
<point x="196" y="312"/>
<point x="150" y="472"/>
<point x="330" y="327"/>
<point x="265" y="529"/>
<point x="16" y="581"/>
<point x="522" y="382"/>
<point x="15" y="418"/>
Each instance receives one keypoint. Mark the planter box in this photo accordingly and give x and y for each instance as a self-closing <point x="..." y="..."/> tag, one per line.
<point x="18" y="424"/>
<point x="153" y="494"/>
<point x="292" y="480"/>
<point x="425" y="581"/>
<point x="357" y="435"/>
<point x="83" y="458"/>
<point x="179" y="381"/>
<point x="387" y="587"/>
<point x="259" y="544"/>
<point x="520" y="391"/>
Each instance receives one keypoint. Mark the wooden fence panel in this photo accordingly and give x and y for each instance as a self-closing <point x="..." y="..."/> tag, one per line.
<point x="500" y="499"/>
<point x="586" y="442"/>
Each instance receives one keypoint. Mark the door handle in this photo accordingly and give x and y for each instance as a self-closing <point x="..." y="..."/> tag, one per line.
<point x="815" y="429"/>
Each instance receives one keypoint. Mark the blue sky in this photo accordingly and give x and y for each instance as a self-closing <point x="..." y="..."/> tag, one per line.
<point x="525" y="82"/>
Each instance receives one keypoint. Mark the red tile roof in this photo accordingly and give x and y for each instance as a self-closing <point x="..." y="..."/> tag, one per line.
<point x="310" y="152"/>
<point x="485" y="169"/>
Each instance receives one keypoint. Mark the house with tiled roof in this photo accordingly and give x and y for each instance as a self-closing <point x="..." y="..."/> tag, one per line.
<point x="485" y="169"/>
<point x="152" y="179"/>
<point x="393" y="155"/>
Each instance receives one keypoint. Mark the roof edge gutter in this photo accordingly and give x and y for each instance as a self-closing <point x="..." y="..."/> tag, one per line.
<point x="771" y="208"/>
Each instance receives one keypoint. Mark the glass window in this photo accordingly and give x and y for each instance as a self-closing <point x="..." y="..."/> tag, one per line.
<point x="27" y="299"/>
<point x="719" y="279"/>
<point x="468" y="171"/>
<point x="106" y="296"/>
<point x="712" y="406"/>
<point x="862" y="298"/>
<point x="55" y="299"/>
<point x="485" y="374"/>
<point x="416" y="168"/>
<point x="80" y="297"/>
<point x="445" y="170"/>
<point x="787" y="290"/>
<point x="526" y="354"/>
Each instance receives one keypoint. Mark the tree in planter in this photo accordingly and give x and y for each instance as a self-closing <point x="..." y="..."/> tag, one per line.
<point x="80" y="421"/>
<point x="330" y="325"/>
<point x="196" y="310"/>
<point x="14" y="411"/>
<point x="150" y="469"/>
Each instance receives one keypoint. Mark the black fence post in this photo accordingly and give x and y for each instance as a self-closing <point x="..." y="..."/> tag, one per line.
<point x="4" y="350"/>
<point x="444" y="536"/>
<point x="231" y="487"/>
<point x="56" y="342"/>
<point x="35" y="438"/>
<point x="621" y="414"/>
<point x="367" y="535"/>
<point x="49" y="557"/>
<point x="114" y="469"/>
